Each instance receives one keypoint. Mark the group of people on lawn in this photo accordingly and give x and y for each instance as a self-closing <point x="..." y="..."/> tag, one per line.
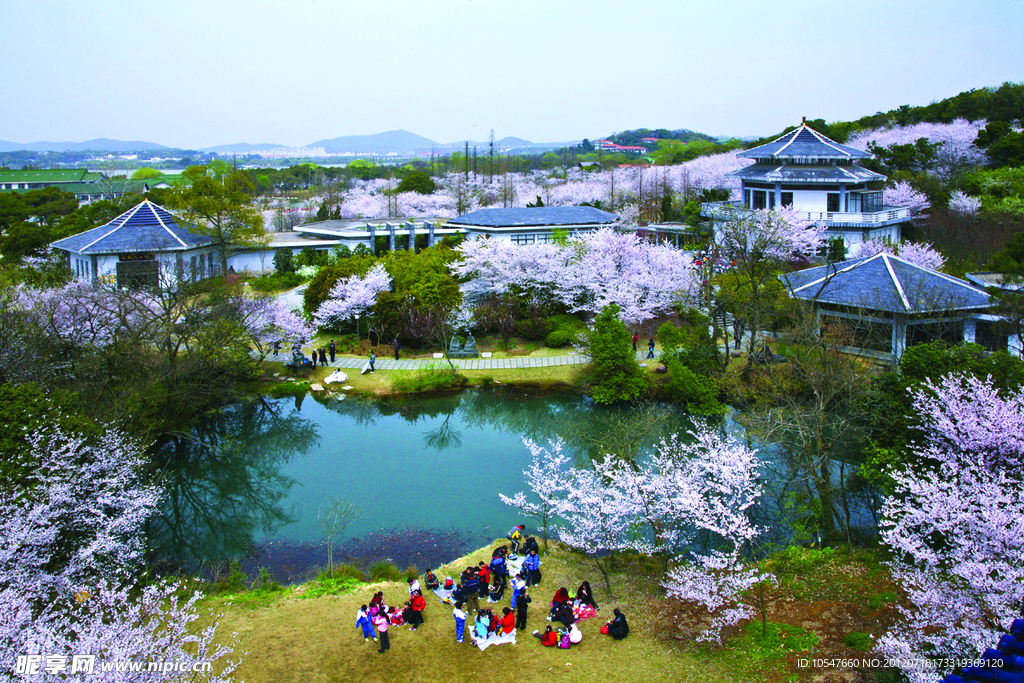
<point x="491" y="581"/>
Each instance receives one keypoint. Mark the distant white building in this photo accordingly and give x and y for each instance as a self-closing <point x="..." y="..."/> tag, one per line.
<point x="532" y="225"/>
<point x="821" y="179"/>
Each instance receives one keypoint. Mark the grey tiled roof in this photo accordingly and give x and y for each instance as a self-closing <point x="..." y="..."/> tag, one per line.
<point x="542" y="215"/>
<point x="804" y="143"/>
<point x="144" y="227"/>
<point x="806" y="173"/>
<point x="886" y="283"/>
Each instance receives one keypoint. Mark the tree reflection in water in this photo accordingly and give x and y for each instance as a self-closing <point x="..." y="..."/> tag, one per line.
<point x="223" y="481"/>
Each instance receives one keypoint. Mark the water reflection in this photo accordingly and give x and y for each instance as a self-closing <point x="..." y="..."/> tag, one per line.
<point x="425" y="472"/>
<point x="224" y="481"/>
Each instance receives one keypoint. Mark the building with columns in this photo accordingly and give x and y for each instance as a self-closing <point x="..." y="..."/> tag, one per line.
<point x="891" y="304"/>
<point x="821" y="179"/>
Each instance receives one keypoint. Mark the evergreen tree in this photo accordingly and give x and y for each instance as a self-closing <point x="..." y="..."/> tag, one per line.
<point x="616" y="375"/>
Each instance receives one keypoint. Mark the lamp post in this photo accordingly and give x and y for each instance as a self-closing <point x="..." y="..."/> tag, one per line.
<point x="357" y="327"/>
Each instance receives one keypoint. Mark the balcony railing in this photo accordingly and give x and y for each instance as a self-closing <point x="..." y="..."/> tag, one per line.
<point x="732" y="211"/>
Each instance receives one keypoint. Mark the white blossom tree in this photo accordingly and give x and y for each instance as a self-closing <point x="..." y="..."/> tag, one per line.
<point x="352" y="295"/>
<point x="70" y="546"/>
<point x="953" y="524"/>
<point x="545" y="478"/>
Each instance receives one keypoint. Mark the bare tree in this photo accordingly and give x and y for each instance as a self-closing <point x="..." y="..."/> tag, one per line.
<point x="334" y="516"/>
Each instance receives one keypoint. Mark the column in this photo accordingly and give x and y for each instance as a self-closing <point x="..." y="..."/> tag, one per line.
<point x="411" y="227"/>
<point x="430" y="233"/>
<point x="970" y="329"/>
<point x="899" y="337"/>
<point x="373" y="238"/>
<point x="391" y="236"/>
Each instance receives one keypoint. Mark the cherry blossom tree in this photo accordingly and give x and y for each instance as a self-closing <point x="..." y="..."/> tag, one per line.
<point x="544" y="477"/>
<point x="69" y="549"/>
<point x="717" y="582"/>
<point x="902" y="193"/>
<point x="955" y="140"/>
<point x="352" y="295"/>
<point x="596" y="520"/>
<point x="963" y="203"/>
<point x="590" y="272"/>
<point x="919" y="253"/>
<point x="954" y="525"/>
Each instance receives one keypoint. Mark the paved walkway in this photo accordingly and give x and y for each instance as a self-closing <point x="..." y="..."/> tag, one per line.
<point x="389" y="363"/>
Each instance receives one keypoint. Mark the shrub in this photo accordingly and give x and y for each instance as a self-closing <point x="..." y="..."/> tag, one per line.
<point x="411" y="572"/>
<point x="858" y="640"/>
<point x="564" y="321"/>
<point x="559" y="338"/>
<point x="699" y="394"/>
<point x="343" y="571"/>
<point x="431" y="377"/>
<point x="533" y="328"/>
<point x="385" y="571"/>
<point x="331" y="587"/>
<point x="275" y="282"/>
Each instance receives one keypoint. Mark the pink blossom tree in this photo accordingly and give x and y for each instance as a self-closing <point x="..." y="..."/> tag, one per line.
<point x="964" y="204"/>
<point x="919" y="253"/>
<point x="544" y="478"/>
<point x="69" y="549"/>
<point x="596" y="520"/>
<point x="902" y="193"/>
<point x="956" y="142"/>
<point x="954" y="525"/>
<point x="352" y="295"/>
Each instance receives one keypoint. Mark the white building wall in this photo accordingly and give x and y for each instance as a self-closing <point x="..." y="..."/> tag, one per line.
<point x="808" y="200"/>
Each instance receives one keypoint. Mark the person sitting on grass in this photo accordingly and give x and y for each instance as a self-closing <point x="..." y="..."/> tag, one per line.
<point x="482" y="625"/>
<point x="549" y="638"/>
<point x="431" y="581"/>
<point x="585" y="595"/>
<point x="617" y="627"/>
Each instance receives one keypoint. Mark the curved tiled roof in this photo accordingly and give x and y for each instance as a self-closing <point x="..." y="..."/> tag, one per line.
<point x="144" y="227"/>
<point x="806" y="173"/>
<point x="539" y="216"/>
<point x="884" y="282"/>
<point x="803" y="143"/>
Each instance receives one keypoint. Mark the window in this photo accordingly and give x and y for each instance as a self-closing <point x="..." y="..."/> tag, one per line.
<point x="760" y="199"/>
<point x="833" y="202"/>
<point x="746" y="199"/>
<point x="771" y="200"/>
<point x="787" y="199"/>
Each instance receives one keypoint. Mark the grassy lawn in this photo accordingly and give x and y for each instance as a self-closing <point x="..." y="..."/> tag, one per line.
<point x="316" y="640"/>
<point x="823" y="597"/>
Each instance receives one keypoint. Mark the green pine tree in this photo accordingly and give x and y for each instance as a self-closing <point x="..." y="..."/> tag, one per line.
<point x="616" y="375"/>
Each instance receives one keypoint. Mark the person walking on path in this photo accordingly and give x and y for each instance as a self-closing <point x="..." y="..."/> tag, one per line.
<point x="636" y="338"/>
<point x="312" y="357"/>
<point x="373" y="359"/>
<point x="398" y="347"/>
<point x="650" y="348"/>
<point x="380" y="620"/>
<point x="460" y="622"/>
<point x="323" y="357"/>
<point x="333" y="350"/>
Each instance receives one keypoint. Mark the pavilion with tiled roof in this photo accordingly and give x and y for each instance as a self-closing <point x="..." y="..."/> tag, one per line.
<point x="140" y="243"/>
<point x="822" y="180"/>
<point x="891" y="303"/>
<point x="532" y="225"/>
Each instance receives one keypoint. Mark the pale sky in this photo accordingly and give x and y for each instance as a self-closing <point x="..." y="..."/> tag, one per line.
<point x="197" y="73"/>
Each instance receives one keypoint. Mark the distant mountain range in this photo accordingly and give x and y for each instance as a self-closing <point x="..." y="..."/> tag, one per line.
<point x="99" y="145"/>
<point x="398" y="142"/>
